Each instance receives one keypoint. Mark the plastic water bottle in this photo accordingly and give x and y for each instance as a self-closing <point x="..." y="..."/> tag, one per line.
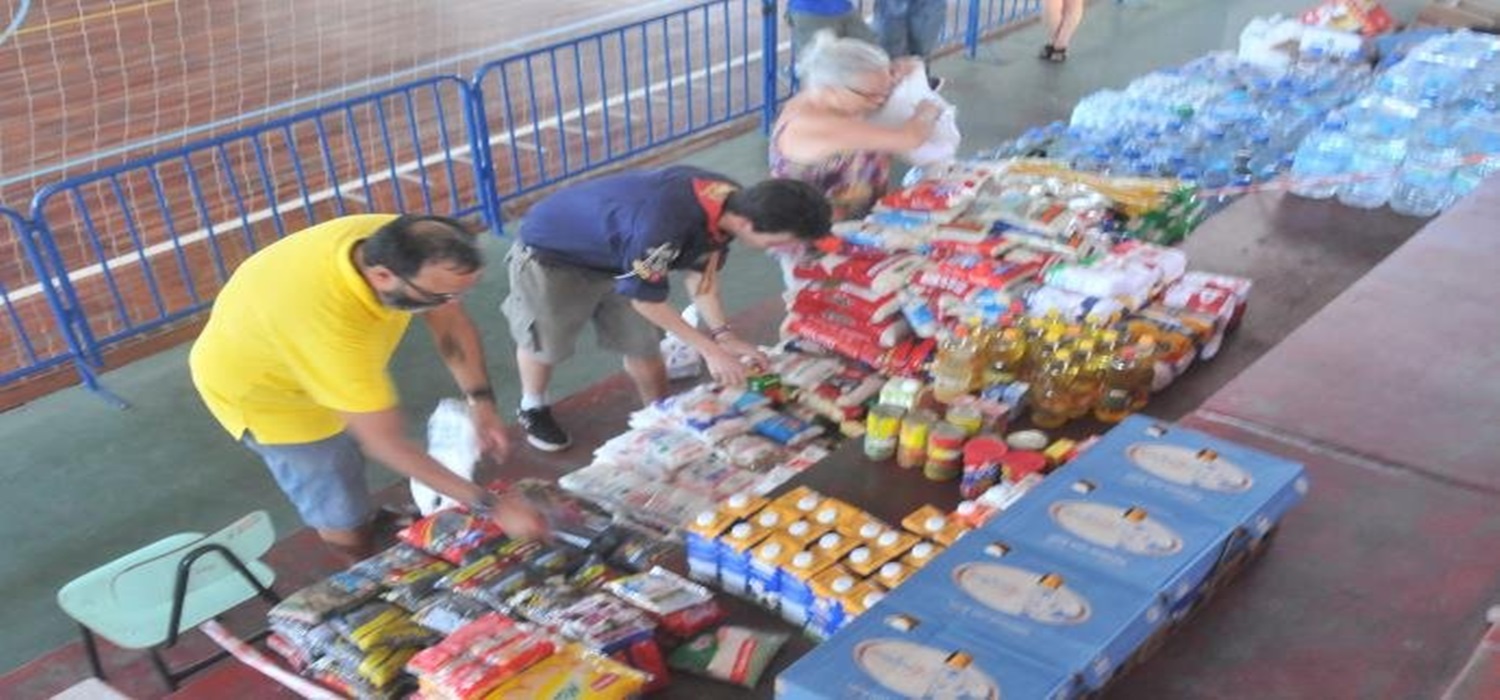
<point x="1424" y="183"/>
<point x="1322" y="155"/>
<point x="1479" y="141"/>
<point x="1373" y="162"/>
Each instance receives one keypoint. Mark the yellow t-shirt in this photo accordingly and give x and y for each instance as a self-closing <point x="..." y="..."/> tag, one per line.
<point x="297" y="336"/>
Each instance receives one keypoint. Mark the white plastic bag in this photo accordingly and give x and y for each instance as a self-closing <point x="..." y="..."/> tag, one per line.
<point x="683" y="362"/>
<point x="452" y="441"/>
<point x="913" y="90"/>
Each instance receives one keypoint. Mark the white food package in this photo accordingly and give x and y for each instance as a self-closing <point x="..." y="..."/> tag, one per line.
<point x="913" y="90"/>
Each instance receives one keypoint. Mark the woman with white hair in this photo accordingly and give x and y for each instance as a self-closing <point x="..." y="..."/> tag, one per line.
<point x="824" y="136"/>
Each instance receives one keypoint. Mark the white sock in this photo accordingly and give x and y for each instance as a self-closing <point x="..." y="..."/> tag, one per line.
<point x="530" y="401"/>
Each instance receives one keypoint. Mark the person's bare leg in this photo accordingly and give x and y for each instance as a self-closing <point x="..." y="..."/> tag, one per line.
<point x="1052" y="16"/>
<point x="649" y="375"/>
<point x="1072" y="16"/>
<point x="535" y="374"/>
<point x="350" y="545"/>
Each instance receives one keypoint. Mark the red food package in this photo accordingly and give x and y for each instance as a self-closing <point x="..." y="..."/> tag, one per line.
<point x="644" y="654"/>
<point x="452" y="535"/>
<point x="856" y="300"/>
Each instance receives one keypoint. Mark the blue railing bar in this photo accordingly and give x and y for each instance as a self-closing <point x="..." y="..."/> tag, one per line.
<point x="510" y="126"/>
<point x="745" y="48"/>
<point x="708" y="60"/>
<point x="330" y="168"/>
<point x="416" y="142"/>
<point x="166" y="214"/>
<point x="671" y="92"/>
<point x="290" y="138"/>
<point x="536" y="121"/>
<point x="92" y="236"/>
<point x="359" y="158"/>
<point x="203" y="216"/>
<point x="268" y="184"/>
<point x="239" y="201"/>
<point x="479" y="151"/>
<point x="140" y="246"/>
<point x="609" y="131"/>
<point x="583" y="118"/>
<point x="624" y="72"/>
<point x="768" y="48"/>
<point x="390" y="156"/>
<point x="687" y="73"/>
<point x="557" y="98"/>
<point x="646" y="77"/>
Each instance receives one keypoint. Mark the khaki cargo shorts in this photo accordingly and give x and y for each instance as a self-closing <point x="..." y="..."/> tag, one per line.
<point x="549" y="305"/>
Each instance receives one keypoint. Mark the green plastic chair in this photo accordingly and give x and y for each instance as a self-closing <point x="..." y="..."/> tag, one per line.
<point x="144" y="599"/>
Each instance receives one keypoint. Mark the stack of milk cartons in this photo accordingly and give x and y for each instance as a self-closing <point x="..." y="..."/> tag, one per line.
<point x="1053" y="596"/>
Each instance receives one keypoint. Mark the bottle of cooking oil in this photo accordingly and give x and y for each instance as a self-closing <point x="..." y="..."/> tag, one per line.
<point x="955" y="371"/>
<point x="1088" y="380"/>
<point x="1006" y="353"/>
<point x="1052" y="393"/>
<point x="1145" y="371"/>
<point x="1040" y="351"/>
<point x="1119" y="386"/>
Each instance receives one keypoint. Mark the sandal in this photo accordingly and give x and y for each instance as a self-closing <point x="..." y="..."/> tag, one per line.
<point x="1046" y="54"/>
<point x="1058" y="55"/>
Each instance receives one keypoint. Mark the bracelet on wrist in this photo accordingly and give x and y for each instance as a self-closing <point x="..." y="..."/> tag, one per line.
<point x="485" y="504"/>
<point x="480" y="395"/>
<point x="718" y="332"/>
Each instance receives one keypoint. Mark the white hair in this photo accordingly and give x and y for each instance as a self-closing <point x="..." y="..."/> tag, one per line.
<point x="832" y="61"/>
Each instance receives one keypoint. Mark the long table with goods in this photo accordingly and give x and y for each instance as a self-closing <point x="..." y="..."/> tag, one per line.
<point x="882" y="485"/>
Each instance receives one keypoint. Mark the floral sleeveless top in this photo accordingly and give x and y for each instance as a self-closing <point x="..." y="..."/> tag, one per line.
<point x="852" y="181"/>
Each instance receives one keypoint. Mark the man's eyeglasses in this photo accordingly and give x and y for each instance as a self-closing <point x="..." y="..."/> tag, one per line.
<point x="434" y="297"/>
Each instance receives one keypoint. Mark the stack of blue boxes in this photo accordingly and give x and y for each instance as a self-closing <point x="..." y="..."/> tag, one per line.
<point x="1050" y="598"/>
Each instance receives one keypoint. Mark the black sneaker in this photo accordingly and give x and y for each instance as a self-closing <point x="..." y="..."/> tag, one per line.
<point x="936" y="83"/>
<point x="542" y="431"/>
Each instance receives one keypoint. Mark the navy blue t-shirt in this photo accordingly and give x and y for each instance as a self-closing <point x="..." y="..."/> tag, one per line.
<point x="637" y="225"/>
<point x="831" y="8"/>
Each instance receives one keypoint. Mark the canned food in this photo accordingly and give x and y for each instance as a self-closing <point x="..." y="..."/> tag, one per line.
<point x="966" y="416"/>
<point x="945" y="452"/>
<point x="882" y="428"/>
<point x="912" y="447"/>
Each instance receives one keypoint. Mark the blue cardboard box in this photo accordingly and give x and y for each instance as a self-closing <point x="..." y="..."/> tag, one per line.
<point x="1009" y="592"/>
<point x="1147" y="543"/>
<point x="1218" y="479"/>
<point x="887" y="654"/>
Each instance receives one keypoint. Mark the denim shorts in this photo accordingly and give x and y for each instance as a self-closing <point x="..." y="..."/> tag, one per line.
<point x="325" y="480"/>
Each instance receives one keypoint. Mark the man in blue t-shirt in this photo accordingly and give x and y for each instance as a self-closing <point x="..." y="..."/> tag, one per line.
<point x="807" y="17"/>
<point x="601" y="251"/>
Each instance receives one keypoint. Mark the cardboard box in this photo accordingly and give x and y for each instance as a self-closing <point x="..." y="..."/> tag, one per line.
<point x="1229" y="483"/>
<point x="1010" y="593"/>
<point x="887" y="654"/>
<point x="1147" y="543"/>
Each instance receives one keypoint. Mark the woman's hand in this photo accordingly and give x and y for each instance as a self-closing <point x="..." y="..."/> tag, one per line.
<point x="902" y="67"/>
<point x="922" y="121"/>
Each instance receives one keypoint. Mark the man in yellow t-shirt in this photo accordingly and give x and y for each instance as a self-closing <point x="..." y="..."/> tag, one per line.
<point x="293" y="364"/>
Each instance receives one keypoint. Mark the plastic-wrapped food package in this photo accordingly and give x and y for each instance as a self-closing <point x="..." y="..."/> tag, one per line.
<point x="680" y="606"/>
<point x="490" y="580"/>
<point x="452" y="535"/>
<point x="477" y="657"/>
<point x="731" y="654"/>
<point x="380" y="624"/>
<point x="573" y="673"/>
<point x="445" y="612"/>
<point x="752" y="452"/>
<point x="315" y="603"/>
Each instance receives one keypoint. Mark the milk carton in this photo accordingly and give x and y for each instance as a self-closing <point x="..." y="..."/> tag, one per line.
<point x="1150" y="544"/>
<point x="1217" y="479"/>
<point x="887" y="654"/>
<point x="701" y="542"/>
<point x="1087" y="621"/>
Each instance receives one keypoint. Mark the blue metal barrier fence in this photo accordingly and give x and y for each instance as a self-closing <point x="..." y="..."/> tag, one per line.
<point x="139" y="246"/>
<point x="35" y="335"/>
<point x="586" y="103"/>
<point x="150" y="242"/>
